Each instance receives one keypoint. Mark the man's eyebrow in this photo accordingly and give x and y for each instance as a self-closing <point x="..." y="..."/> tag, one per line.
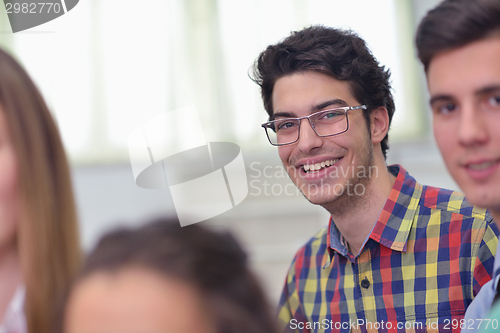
<point x="488" y="90"/>
<point x="336" y="102"/>
<point x="440" y="98"/>
<point x="483" y="91"/>
<point x="282" y="115"/>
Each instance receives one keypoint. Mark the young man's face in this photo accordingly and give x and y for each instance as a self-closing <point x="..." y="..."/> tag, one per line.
<point x="302" y="94"/>
<point x="464" y="85"/>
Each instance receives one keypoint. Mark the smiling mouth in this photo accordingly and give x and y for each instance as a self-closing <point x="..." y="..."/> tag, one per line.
<point x="311" y="168"/>
<point x="481" y="166"/>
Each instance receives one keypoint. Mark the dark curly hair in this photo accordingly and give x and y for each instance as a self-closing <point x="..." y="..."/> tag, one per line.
<point x="340" y="54"/>
<point x="456" y="23"/>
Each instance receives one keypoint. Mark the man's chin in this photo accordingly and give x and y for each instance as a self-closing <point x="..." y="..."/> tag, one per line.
<point x="485" y="199"/>
<point x="320" y="200"/>
<point x="322" y="194"/>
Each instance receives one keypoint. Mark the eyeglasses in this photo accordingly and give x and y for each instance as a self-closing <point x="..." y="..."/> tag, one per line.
<point x="285" y="131"/>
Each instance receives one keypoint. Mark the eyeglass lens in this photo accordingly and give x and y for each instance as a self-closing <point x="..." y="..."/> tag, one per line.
<point x="325" y="123"/>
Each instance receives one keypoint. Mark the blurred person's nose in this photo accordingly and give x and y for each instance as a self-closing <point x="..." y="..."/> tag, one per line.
<point x="473" y="127"/>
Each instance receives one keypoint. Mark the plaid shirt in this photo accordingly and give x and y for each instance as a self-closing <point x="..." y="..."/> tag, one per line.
<point x="426" y="258"/>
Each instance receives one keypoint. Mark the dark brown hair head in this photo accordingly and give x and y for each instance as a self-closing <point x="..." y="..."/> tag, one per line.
<point x="456" y="23"/>
<point x="212" y="262"/>
<point x="340" y="54"/>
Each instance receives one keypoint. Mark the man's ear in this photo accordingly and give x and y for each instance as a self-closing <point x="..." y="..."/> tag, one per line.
<point x="380" y="124"/>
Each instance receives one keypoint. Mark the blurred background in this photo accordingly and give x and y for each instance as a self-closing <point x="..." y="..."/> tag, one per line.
<point x="108" y="66"/>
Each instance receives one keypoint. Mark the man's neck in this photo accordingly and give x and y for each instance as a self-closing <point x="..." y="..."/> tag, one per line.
<point x="357" y="217"/>
<point x="496" y="217"/>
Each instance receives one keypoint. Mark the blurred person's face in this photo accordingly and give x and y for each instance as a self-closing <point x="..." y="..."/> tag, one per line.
<point x="135" y="300"/>
<point x="464" y="85"/>
<point x="8" y="187"/>
<point x="322" y="167"/>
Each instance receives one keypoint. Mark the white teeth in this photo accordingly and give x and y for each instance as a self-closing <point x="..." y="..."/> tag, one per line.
<point x="318" y="166"/>
<point x="481" y="166"/>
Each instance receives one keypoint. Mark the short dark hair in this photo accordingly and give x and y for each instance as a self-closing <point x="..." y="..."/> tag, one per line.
<point x="340" y="54"/>
<point x="456" y="23"/>
<point x="212" y="262"/>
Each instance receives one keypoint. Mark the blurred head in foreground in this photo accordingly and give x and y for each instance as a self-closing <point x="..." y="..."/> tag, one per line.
<point x="459" y="44"/>
<point x="39" y="244"/>
<point x="165" y="278"/>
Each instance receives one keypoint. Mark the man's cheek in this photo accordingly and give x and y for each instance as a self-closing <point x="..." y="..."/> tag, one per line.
<point x="283" y="155"/>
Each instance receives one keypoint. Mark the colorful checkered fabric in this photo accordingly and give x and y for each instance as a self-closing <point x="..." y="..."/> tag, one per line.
<point x="426" y="258"/>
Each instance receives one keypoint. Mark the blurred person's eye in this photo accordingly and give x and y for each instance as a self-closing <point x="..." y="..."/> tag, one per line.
<point x="494" y="101"/>
<point x="445" y="108"/>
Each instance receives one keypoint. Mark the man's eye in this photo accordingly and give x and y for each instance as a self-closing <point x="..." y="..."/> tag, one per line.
<point x="494" y="101"/>
<point x="285" y="125"/>
<point x="446" y="108"/>
<point x="331" y="115"/>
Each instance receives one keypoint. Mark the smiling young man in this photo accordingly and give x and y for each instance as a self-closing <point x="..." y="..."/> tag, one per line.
<point x="459" y="44"/>
<point x="396" y="255"/>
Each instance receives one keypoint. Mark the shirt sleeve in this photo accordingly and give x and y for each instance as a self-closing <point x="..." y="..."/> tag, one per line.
<point x="290" y="315"/>
<point x="483" y="266"/>
<point x="479" y="307"/>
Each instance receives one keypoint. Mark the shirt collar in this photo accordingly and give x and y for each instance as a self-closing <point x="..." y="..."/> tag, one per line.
<point x="394" y="223"/>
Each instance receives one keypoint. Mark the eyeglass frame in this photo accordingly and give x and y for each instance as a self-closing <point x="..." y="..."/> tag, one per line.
<point x="345" y="109"/>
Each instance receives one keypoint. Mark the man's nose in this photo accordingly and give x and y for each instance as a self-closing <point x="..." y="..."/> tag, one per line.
<point x="308" y="139"/>
<point x="473" y="129"/>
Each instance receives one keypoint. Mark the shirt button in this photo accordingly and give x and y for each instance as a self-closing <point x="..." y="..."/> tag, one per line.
<point x="365" y="283"/>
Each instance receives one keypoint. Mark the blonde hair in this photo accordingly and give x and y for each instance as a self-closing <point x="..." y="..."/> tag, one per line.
<point x="47" y="233"/>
